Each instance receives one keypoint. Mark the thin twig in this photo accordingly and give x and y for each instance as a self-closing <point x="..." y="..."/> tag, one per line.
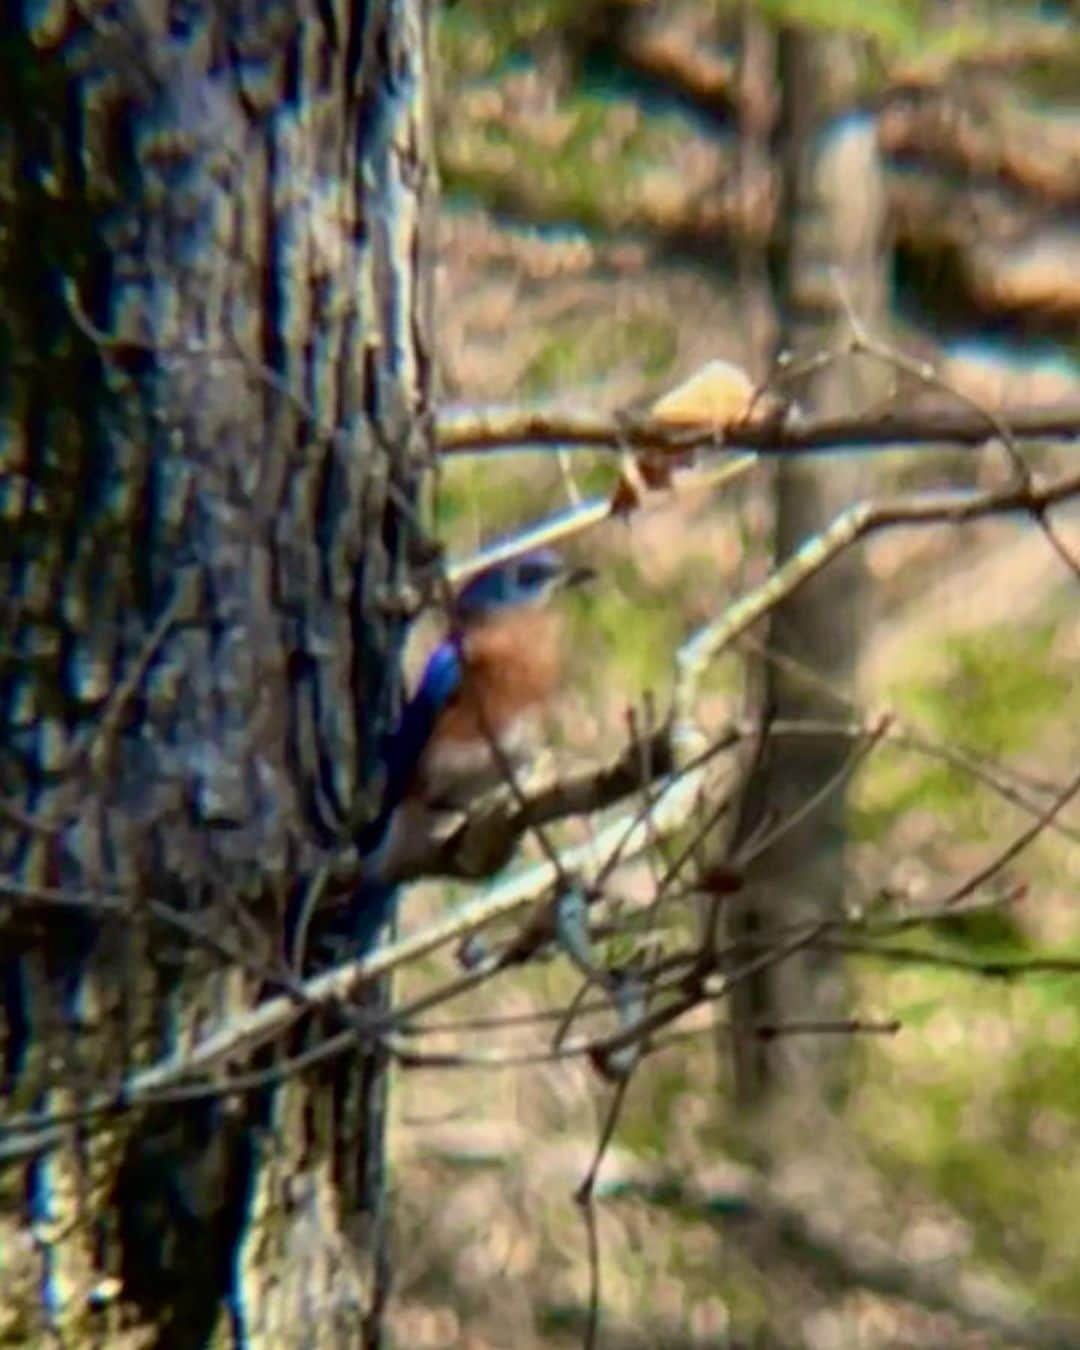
<point x="584" y="1199"/>
<point x="999" y="968"/>
<point x="1015" y="847"/>
<point x="925" y="373"/>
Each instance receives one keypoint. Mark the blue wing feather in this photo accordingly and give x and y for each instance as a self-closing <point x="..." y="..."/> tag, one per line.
<point x="374" y="901"/>
<point x="439" y="683"/>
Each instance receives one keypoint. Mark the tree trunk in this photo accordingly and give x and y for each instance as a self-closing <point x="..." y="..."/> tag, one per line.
<point x="216" y="382"/>
<point x="832" y="241"/>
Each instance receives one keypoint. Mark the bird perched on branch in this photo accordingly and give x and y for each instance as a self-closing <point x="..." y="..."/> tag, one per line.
<point x="473" y="719"/>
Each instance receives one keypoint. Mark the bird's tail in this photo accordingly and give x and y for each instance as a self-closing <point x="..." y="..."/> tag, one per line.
<point x="373" y="905"/>
<point x="343" y="932"/>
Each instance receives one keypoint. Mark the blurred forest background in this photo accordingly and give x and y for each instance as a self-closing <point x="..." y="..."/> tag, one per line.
<point x="624" y="198"/>
<point x="604" y="232"/>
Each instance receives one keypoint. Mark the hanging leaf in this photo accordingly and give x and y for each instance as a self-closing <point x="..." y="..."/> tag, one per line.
<point x="718" y="395"/>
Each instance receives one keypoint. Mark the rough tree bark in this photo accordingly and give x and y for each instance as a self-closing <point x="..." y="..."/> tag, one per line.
<point x="215" y="376"/>
<point x="831" y="236"/>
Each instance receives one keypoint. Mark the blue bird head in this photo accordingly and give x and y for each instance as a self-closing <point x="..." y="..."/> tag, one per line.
<point x="528" y="580"/>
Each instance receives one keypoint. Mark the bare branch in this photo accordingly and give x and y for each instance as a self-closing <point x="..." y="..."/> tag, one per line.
<point x="856" y="523"/>
<point x="483" y="430"/>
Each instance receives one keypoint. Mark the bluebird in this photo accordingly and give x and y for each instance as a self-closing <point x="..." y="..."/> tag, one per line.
<point x="484" y="686"/>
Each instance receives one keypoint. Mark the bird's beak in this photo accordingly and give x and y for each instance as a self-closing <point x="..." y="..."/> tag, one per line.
<point x="578" y="576"/>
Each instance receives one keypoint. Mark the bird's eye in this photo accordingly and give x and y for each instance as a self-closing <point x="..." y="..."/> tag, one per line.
<point x="531" y="574"/>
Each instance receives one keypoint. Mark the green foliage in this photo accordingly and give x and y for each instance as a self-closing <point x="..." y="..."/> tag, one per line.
<point x="975" y="1106"/>
<point x="510" y="27"/>
<point x="584" y="161"/>
<point x="1002" y="687"/>
<point x="637" y="636"/>
<point x="587" y="349"/>
<point x="896" y="24"/>
<point x="980" y="1098"/>
<point x="480" y="500"/>
<point x="467" y="45"/>
<point x="645" y="1128"/>
<point x="991" y="933"/>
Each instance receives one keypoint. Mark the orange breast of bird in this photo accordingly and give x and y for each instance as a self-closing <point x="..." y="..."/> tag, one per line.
<point x="510" y="669"/>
